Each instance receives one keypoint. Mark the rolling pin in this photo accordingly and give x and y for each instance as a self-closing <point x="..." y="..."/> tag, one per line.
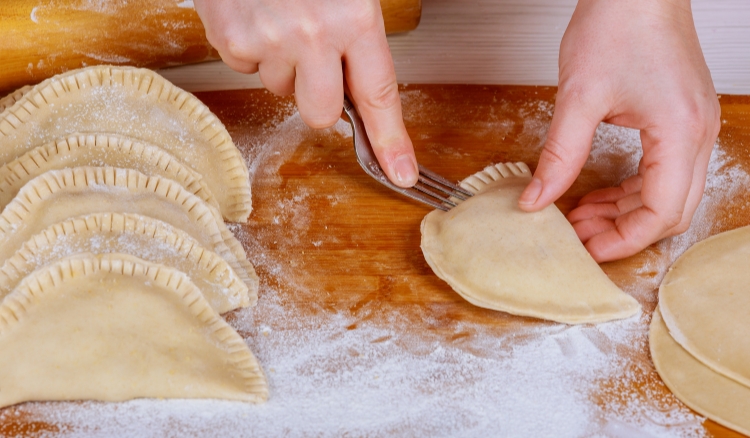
<point x="39" y="38"/>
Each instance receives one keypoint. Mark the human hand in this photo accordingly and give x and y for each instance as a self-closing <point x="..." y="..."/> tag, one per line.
<point x="633" y="63"/>
<point x="308" y="47"/>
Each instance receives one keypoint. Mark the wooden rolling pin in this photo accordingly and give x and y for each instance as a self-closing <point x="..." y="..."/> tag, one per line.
<point x="39" y="39"/>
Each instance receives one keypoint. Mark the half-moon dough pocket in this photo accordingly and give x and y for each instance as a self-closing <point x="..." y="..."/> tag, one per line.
<point x="137" y="103"/>
<point x="104" y="328"/>
<point x="58" y="195"/>
<point x="146" y="238"/>
<point x="532" y="264"/>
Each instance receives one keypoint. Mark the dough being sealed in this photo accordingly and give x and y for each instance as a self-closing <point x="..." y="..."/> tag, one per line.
<point x="137" y="103"/>
<point x="132" y="234"/>
<point x="102" y="151"/>
<point x="8" y="101"/>
<point x="532" y="264"/>
<point x="705" y="302"/>
<point x="703" y="390"/>
<point x="105" y="328"/>
<point x="58" y="195"/>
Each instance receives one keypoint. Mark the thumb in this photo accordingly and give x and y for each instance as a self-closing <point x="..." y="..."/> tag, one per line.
<point x="565" y="151"/>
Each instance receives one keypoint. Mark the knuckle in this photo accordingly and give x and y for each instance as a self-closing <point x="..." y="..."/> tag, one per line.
<point x="384" y="96"/>
<point x="365" y="15"/>
<point x="311" y="32"/>
<point x="700" y="119"/>
<point x="236" y="48"/>
<point x="554" y="152"/>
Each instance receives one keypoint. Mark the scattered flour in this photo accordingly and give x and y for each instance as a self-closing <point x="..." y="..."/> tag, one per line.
<point x="391" y="376"/>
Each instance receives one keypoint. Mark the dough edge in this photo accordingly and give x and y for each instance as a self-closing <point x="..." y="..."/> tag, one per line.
<point x="671" y="360"/>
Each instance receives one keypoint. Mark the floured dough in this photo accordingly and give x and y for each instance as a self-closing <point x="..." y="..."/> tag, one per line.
<point x="104" y="328"/>
<point x="8" y="101"/>
<point x="705" y="302"/>
<point x="147" y="238"/>
<point x="709" y="393"/>
<point x="137" y="103"/>
<point x="58" y="195"/>
<point x="98" y="150"/>
<point x="532" y="264"/>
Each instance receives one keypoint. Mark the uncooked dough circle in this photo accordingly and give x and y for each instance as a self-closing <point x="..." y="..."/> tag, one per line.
<point x="532" y="264"/>
<point x="707" y="392"/>
<point x="705" y="302"/>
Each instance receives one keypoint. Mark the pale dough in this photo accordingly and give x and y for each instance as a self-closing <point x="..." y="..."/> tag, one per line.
<point x="8" y="101"/>
<point x="705" y="302"/>
<point x="109" y="329"/>
<point x="137" y="103"/>
<point x="103" y="151"/>
<point x="147" y="238"/>
<point x="58" y="195"/>
<point x="532" y="264"/>
<point x="709" y="393"/>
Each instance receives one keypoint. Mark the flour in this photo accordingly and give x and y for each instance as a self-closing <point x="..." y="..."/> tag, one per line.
<point x="338" y="374"/>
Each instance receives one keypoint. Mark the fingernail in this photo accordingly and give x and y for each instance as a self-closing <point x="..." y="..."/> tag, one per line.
<point x="405" y="171"/>
<point x="531" y="193"/>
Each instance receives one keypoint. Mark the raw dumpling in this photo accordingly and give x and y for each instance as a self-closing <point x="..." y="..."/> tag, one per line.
<point x="98" y="150"/>
<point x="137" y="103"/>
<point x="58" y="195"/>
<point x="531" y="264"/>
<point x="8" y="101"/>
<point x="141" y="236"/>
<point x="707" y="392"/>
<point x="105" y="328"/>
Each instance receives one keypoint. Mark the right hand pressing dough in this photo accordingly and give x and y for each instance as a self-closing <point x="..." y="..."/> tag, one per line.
<point x="532" y="264"/>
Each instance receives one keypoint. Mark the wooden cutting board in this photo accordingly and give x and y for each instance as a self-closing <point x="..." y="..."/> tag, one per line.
<point x="39" y="39"/>
<point x="355" y="245"/>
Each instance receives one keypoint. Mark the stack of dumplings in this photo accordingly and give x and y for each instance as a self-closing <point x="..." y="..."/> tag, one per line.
<point x="115" y="261"/>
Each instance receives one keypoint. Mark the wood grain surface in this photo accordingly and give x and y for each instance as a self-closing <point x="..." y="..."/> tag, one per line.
<point x="369" y="262"/>
<point x="39" y="39"/>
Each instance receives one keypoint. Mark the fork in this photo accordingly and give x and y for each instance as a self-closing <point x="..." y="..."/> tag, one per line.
<point x="431" y="188"/>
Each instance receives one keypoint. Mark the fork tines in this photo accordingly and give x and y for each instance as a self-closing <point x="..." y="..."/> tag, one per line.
<point x="444" y="194"/>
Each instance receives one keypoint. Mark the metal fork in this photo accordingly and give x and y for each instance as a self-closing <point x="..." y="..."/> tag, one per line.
<point x="431" y="188"/>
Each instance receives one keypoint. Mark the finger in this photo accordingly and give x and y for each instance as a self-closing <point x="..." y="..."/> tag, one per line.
<point x="319" y="89"/>
<point x="591" y="211"/>
<point x="591" y="227"/>
<point x="239" y="65"/>
<point x="565" y="151"/>
<point x="667" y="178"/>
<point x="629" y="203"/>
<point x="696" y="191"/>
<point x="371" y="78"/>
<point x="277" y="76"/>
<point x="613" y="194"/>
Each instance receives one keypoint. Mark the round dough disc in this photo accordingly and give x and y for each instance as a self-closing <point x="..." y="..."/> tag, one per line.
<point x="705" y="302"/>
<point x="708" y="393"/>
